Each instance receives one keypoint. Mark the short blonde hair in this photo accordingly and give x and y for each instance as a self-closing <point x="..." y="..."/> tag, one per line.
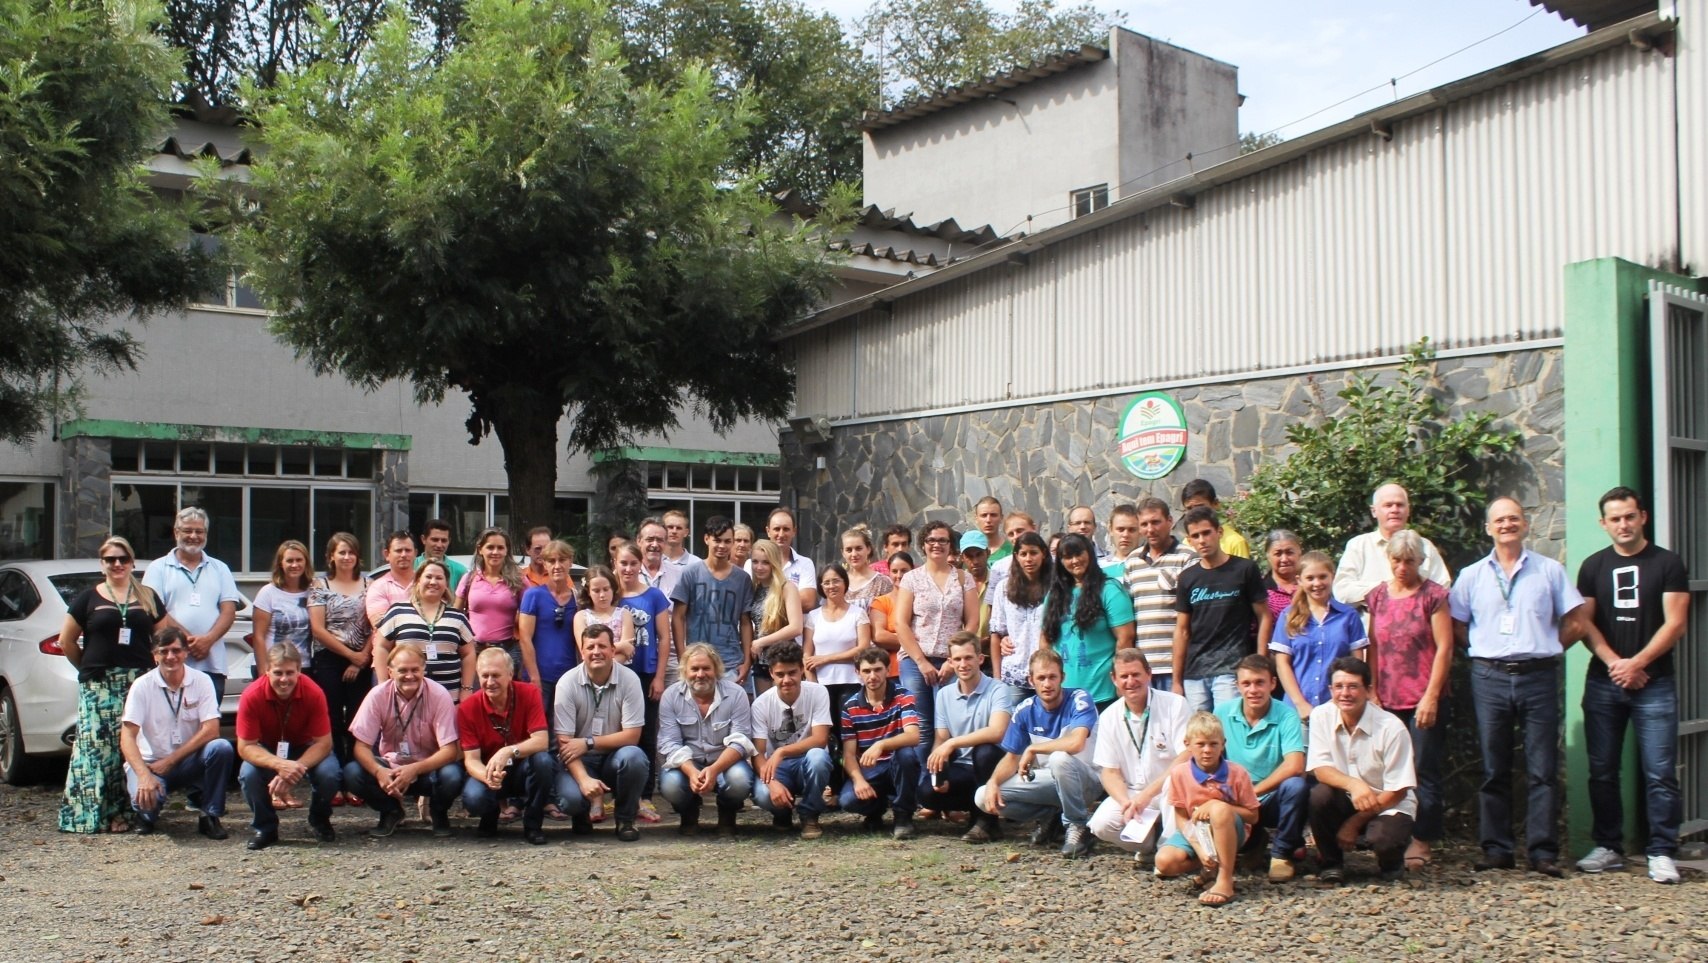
<point x="1205" y="725"/>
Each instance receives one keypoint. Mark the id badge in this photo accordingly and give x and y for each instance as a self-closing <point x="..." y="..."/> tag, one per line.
<point x="195" y="598"/>
<point x="284" y="750"/>
<point x="598" y="728"/>
<point x="403" y="750"/>
<point x="124" y="636"/>
<point x="432" y="651"/>
<point x="1508" y="623"/>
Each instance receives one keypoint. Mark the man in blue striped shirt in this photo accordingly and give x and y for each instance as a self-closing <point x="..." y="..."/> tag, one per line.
<point x="880" y="739"/>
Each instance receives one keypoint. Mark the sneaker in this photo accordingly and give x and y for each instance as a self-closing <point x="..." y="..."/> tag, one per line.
<point x="874" y="823"/>
<point x="322" y="830"/>
<point x="976" y="833"/>
<point x="782" y="820"/>
<point x="1600" y="860"/>
<point x="1048" y="831"/>
<point x="904" y="829"/>
<point x="1280" y="870"/>
<point x="1662" y="869"/>
<point x="1077" y="842"/>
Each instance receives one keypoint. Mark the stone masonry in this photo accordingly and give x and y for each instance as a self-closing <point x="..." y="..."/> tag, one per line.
<point x="1046" y="458"/>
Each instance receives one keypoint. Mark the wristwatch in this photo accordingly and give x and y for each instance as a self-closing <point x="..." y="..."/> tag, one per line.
<point x="589" y="743"/>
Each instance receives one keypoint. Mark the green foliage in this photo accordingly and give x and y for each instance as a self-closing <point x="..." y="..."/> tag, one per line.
<point x="522" y="222"/>
<point x="82" y="239"/>
<point x="924" y="46"/>
<point x="1398" y="432"/>
<point x="1251" y="141"/>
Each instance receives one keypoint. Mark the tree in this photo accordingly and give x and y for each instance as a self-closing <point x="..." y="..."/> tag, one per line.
<point x="1251" y="142"/>
<point x="82" y="239"/>
<point x="1399" y="432"/>
<point x="524" y="223"/>
<point x="924" y="46"/>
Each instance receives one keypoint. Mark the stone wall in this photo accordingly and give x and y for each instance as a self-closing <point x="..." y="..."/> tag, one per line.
<point x="85" y="496"/>
<point x="1047" y="458"/>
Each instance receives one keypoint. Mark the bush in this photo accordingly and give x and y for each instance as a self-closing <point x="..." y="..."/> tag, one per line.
<point x="1399" y="432"/>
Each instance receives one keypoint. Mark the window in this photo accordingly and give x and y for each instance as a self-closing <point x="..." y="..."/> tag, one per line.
<point x="1088" y="199"/>
<point x="741" y="493"/>
<point x="297" y="492"/>
<point x="26" y="519"/>
<point x="18" y="597"/>
<point x="468" y="513"/>
<point x="235" y="292"/>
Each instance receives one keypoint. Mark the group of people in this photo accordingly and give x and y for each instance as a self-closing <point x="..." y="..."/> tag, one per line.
<point x="1161" y="694"/>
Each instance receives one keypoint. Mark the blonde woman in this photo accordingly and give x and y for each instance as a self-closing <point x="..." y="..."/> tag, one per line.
<point x="491" y="594"/>
<point x="429" y="620"/>
<point x="775" y="610"/>
<point x="865" y="582"/>
<point x="107" y="633"/>
<point x="281" y="607"/>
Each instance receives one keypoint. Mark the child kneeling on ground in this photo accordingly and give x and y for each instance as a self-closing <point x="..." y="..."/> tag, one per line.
<point x="1213" y="802"/>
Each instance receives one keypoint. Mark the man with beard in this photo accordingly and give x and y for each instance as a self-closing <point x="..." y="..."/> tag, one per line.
<point x="284" y="735"/>
<point x="201" y="596"/>
<point x="406" y="745"/>
<point x="705" y="737"/>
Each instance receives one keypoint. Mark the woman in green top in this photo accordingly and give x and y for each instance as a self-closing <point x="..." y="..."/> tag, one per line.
<point x="1087" y="616"/>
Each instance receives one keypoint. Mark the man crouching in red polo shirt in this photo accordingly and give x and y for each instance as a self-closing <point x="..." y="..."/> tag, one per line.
<point x="503" y="731"/>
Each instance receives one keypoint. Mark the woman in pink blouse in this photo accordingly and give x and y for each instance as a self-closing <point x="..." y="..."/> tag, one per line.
<point x="1411" y="655"/>
<point x="933" y="602"/>
<point x="491" y="593"/>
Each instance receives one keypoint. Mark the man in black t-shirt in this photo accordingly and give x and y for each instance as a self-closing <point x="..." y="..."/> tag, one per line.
<point x="1216" y="604"/>
<point x="1637" y="596"/>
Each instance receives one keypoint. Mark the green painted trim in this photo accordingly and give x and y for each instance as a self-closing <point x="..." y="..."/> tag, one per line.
<point x="692" y="456"/>
<point x="1606" y="427"/>
<point x="163" y="431"/>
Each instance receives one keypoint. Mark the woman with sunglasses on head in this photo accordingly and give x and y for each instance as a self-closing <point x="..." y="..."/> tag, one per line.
<point x="649" y="610"/>
<point x="934" y="601"/>
<point x="338" y="639"/>
<point x="107" y="635"/>
<point x="545" y="631"/>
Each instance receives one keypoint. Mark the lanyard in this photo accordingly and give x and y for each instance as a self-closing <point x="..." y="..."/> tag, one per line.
<point x="1506" y="583"/>
<point x="404" y="722"/>
<point x="285" y="717"/>
<point x="192" y="576"/>
<point x="599" y="692"/>
<point x="1144" y="728"/>
<point x="123" y="605"/>
<point x="176" y="707"/>
<point x="509" y="718"/>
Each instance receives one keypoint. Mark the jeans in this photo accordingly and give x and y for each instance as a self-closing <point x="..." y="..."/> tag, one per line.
<point x="1429" y="754"/>
<point x="1285" y="811"/>
<point x="963" y="779"/>
<point x="1062" y="787"/>
<point x="1532" y="700"/>
<point x="625" y="771"/>
<point x="805" y="776"/>
<point x="1387" y="835"/>
<point x="734" y="785"/>
<point x="532" y="779"/>
<point x="325" y="780"/>
<point x="1163" y="681"/>
<point x="441" y="786"/>
<point x="924" y="701"/>
<point x="649" y="734"/>
<point x="1204" y="694"/>
<point x="208" y="770"/>
<point x="218" y="683"/>
<point x="896" y="780"/>
<point x="1653" y="712"/>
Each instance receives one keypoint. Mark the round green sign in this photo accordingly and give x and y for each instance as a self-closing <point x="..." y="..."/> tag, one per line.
<point x="1152" y="436"/>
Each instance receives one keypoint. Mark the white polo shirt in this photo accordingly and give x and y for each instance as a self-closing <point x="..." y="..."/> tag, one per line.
<point x="1376" y="750"/>
<point x="166" y="720"/>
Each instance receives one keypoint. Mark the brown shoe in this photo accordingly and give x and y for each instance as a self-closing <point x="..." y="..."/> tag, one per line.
<point x="1281" y="870"/>
<point x="810" y="828"/>
<point x="726" y="822"/>
<point x="976" y="833"/>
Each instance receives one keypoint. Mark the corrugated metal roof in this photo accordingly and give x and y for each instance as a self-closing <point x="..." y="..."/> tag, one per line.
<point x="1596" y="14"/>
<point x="191" y="139"/>
<point x="980" y="89"/>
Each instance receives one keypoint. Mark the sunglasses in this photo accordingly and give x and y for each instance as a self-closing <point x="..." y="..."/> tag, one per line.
<point x="115" y="559"/>
<point x="557" y="617"/>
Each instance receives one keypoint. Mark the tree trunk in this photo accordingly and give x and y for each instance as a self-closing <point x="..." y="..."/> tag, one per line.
<point x="526" y="421"/>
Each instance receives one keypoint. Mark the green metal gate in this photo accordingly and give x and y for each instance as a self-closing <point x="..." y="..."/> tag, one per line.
<point x="1678" y="351"/>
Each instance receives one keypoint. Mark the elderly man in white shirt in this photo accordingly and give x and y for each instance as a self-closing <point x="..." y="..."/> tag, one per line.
<point x="170" y="737"/>
<point x="1364" y="565"/>
<point x="1361" y="757"/>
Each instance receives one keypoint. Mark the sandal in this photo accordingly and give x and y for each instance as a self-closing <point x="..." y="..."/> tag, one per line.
<point x="1212" y="898"/>
<point x="552" y="812"/>
<point x="509" y="814"/>
<point x="648" y="812"/>
<point x="1415" y="863"/>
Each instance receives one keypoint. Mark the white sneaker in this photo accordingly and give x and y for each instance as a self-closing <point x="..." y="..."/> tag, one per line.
<point x="1662" y="869"/>
<point x="1600" y="860"/>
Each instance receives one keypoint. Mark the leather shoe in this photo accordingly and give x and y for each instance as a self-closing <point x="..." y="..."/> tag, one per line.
<point x="1491" y="861"/>
<point x="388" y="823"/>
<point x="143" y="827"/>
<point x="1548" y="867"/>
<point x="626" y="832"/>
<point x="210" y="827"/>
<point x="261" y="840"/>
<point x="322" y="829"/>
<point x="535" y="836"/>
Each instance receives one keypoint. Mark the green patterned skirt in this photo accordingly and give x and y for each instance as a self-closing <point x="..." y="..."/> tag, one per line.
<point x="95" y="793"/>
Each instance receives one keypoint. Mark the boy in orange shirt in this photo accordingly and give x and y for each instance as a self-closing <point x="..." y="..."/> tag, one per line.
<point x="1213" y="802"/>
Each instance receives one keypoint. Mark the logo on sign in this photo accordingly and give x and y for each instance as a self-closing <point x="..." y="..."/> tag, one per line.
<point x="1153" y="436"/>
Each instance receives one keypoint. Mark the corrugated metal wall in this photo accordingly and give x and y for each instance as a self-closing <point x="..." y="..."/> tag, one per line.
<point x="1457" y="228"/>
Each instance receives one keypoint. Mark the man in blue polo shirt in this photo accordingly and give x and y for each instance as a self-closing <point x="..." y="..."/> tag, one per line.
<point x="1509" y="607"/>
<point x="972" y="717"/>
<point x="1047" y="773"/>
<point x="201" y="596"/>
<point x="1265" y="736"/>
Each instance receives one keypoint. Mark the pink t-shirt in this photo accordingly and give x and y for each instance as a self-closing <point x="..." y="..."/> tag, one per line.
<point x="1404" y="644"/>
<point x="491" y="607"/>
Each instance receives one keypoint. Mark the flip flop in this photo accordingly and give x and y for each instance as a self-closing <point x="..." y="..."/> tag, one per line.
<point x="1414" y="863"/>
<point x="648" y="812"/>
<point x="1213" y="898"/>
<point x="1204" y="879"/>
<point x="509" y="814"/>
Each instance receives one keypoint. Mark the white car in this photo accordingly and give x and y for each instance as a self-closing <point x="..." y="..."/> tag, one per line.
<point x="38" y="685"/>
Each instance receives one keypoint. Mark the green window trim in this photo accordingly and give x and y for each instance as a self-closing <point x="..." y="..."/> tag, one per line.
<point x="691" y="456"/>
<point x="163" y="431"/>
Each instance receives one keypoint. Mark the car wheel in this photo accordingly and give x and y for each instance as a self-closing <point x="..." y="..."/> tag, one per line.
<point x="15" y="767"/>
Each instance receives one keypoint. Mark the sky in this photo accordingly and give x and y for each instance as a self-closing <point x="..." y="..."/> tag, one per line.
<point x="1305" y="64"/>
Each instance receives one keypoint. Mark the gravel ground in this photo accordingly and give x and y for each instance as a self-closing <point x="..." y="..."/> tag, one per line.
<point x="763" y="896"/>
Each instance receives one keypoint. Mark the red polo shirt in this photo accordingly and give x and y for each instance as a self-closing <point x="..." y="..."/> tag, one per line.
<point x="481" y="728"/>
<point x="264" y="719"/>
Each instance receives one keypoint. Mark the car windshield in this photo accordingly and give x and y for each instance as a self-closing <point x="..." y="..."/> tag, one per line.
<point x="74" y="584"/>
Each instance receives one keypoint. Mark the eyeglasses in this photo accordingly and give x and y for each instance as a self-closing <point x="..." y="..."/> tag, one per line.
<point x="557" y="617"/>
<point x="115" y="560"/>
<point x="936" y="541"/>
<point x="176" y="650"/>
